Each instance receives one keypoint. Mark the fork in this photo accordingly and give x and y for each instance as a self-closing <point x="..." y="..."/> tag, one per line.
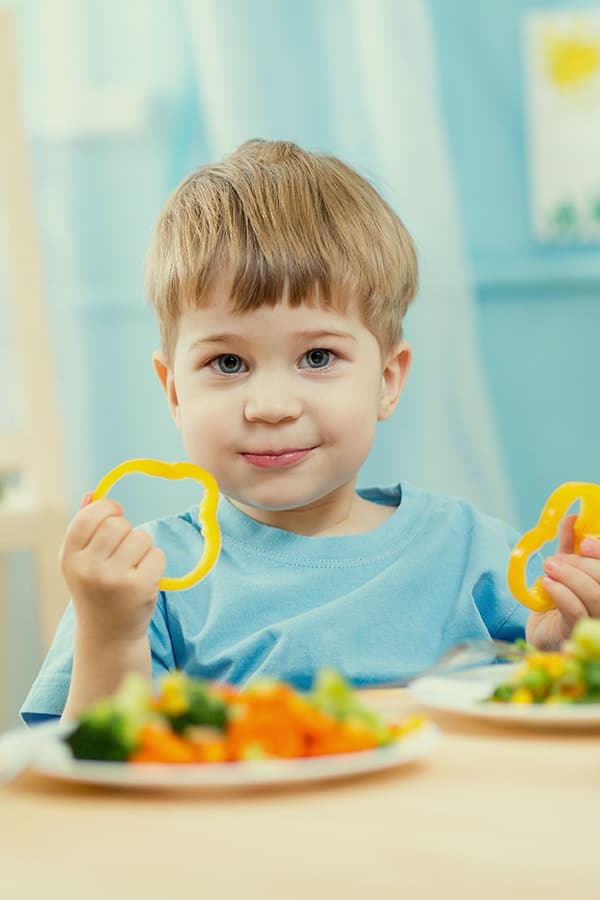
<point x="465" y="655"/>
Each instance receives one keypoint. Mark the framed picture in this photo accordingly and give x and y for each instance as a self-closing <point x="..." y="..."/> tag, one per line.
<point x="562" y="71"/>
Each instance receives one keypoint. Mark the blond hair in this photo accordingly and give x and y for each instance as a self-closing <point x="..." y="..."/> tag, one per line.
<point x="281" y="220"/>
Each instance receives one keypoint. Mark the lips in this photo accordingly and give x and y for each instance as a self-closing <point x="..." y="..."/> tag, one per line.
<point x="276" y="459"/>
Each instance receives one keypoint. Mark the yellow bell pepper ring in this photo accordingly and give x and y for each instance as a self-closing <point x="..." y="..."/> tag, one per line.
<point x="587" y="524"/>
<point x="207" y="511"/>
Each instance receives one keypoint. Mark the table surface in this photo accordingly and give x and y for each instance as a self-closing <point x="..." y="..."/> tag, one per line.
<point x="492" y="810"/>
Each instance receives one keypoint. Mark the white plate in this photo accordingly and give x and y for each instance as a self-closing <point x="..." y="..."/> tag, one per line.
<point x="55" y="759"/>
<point x="465" y="693"/>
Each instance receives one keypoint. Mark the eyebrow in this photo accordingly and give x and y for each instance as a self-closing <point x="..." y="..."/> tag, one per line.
<point x="229" y="337"/>
<point x="326" y="333"/>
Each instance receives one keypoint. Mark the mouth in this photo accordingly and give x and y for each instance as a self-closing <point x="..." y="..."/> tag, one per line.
<point x="277" y="459"/>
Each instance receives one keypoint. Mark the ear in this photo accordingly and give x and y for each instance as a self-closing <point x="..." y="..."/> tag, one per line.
<point x="165" y="375"/>
<point x="393" y="378"/>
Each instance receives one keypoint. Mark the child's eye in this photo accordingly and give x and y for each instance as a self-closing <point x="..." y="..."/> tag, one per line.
<point x="318" y="358"/>
<point x="228" y="364"/>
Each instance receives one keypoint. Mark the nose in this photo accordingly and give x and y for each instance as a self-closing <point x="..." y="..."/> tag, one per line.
<point x="272" y="400"/>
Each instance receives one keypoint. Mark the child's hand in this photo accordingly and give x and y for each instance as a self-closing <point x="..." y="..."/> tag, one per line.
<point x="573" y="583"/>
<point x="113" y="572"/>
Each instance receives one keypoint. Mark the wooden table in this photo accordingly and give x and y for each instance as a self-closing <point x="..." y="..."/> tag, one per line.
<point x="491" y="813"/>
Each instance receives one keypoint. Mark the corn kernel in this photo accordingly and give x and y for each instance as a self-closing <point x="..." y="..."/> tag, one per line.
<point x="522" y="695"/>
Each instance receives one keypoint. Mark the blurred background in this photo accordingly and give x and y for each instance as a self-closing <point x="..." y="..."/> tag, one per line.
<point x="469" y="117"/>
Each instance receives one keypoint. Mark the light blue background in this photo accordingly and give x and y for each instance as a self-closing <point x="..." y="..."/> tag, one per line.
<point x="539" y="307"/>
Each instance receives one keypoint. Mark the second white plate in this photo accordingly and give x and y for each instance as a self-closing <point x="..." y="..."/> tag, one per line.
<point x="465" y="693"/>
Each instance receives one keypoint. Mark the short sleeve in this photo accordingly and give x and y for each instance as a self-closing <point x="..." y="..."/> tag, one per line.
<point x="48" y="694"/>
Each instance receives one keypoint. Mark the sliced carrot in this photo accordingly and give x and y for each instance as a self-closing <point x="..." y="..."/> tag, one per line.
<point x="216" y="751"/>
<point x="163" y="745"/>
<point x="269" y="720"/>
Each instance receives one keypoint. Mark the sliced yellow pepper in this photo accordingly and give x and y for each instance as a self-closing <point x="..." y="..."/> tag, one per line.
<point x="587" y="524"/>
<point x="207" y="511"/>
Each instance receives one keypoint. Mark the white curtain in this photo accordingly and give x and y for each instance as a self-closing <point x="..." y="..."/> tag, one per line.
<point x="123" y="99"/>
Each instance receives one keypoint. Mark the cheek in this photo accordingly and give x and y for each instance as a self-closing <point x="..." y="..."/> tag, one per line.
<point x="199" y="407"/>
<point x="352" y="422"/>
<point x="359" y="405"/>
<point x="201" y="424"/>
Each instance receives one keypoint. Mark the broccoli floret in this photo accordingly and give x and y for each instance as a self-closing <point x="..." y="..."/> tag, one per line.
<point x="103" y="734"/>
<point x="203" y="708"/>
<point x="109" y="730"/>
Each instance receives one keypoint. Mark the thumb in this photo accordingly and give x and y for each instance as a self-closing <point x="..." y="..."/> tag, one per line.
<point x="86" y="499"/>
<point x="566" y="537"/>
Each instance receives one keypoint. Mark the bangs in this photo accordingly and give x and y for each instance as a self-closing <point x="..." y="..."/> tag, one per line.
<point x="286" y="224"/>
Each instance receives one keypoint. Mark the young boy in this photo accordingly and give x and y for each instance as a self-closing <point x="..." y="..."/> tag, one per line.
<point x="281" y="279"/>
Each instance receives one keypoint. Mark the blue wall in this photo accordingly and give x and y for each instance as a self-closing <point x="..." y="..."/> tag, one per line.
<point x="538" y="307"/>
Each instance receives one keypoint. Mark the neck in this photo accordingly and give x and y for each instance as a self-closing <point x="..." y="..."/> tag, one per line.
<point x="341" y="513"/>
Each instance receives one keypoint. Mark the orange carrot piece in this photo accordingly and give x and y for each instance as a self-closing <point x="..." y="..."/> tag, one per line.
<point x="164" y="746"/>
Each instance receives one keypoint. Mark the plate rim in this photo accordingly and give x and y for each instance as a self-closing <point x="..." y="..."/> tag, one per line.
<point x="54" y="760"/>
<point x="581" y="715"/>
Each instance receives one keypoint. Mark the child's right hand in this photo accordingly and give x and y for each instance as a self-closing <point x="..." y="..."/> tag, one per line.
<point x="112" y="571"/>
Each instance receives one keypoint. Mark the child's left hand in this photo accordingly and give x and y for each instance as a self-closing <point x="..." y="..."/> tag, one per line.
<point x="573" y="583"/>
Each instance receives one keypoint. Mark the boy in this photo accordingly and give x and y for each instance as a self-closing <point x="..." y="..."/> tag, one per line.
<point x="281" y="279"/>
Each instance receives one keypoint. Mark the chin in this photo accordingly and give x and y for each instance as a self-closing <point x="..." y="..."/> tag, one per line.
<point x="277" y="503"/>
<point x="279" y="506"/>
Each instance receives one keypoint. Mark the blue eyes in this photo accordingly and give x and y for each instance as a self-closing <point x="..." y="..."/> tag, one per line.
<point x="318" y="358"/>
<point x="228" y="364"/>
<point x="232" y="364"/>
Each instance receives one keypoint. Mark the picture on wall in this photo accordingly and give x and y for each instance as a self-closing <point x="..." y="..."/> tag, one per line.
<point x="562" y="72"/>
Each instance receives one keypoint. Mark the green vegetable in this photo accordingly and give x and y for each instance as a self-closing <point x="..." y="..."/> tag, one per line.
<point x="585" y="639"/>
<point x="503" y="693"/>
<point x="203" y="708"/>
<point x="538" y="682"/>
<point x="109" y="729"/>
<point x="592" y="677"/>
<point x="333" y="695"/>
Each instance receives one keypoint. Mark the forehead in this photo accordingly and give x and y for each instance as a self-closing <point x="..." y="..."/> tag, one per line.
<point x="272" y="324"/>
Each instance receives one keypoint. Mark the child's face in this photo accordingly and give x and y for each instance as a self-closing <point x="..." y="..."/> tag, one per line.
<point x="280" y="404"/>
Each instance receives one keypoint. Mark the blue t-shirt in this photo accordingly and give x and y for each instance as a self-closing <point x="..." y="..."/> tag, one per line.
<point x="377" y="607"/>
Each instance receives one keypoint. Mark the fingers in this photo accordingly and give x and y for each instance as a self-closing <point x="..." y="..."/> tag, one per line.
<point x="108" y="536"/>
<point x="573" y="581"/>
<point x="152" y="566"/>
<point x="100" y="532"/>
<point x="132" y="549"/>
<point x="571" y="608"/>
<point x="87" y="521"/>
<point x="590" y="548"/>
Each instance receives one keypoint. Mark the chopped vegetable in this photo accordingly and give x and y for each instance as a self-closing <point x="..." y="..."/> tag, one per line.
<point x="190" y="721"/>
<point x="184" y="702"/>
<point x="571" y="675"/>
<point x="110" y="729"/>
